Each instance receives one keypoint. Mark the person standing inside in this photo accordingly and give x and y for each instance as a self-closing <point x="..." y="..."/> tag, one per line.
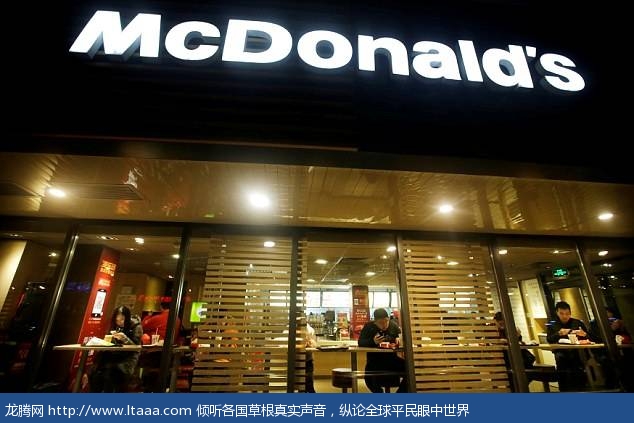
<point x="112" y="371"/>
<point x="570" y="367"/>
<point x="156" y="324"/>
<point x="382" y="329"/>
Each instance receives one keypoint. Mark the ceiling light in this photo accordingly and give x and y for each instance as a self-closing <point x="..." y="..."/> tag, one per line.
<point x="172" y="277"/>
<point x="175" y="256"/>
<point x="391" y="249"/>
<point x="607" y="265"/>
<point x="259" y="201"/>
<point x="445" y="208"/>
<point x="384" y="257"/>
<point x="15" y="235"/>
<point x="52" y="254"/>
<point x="605" y="216"/>
<point x="503" y="252"/>
<point x="370" y="273"/>
<point x="408" y="250"/>
<point x="56" y="192"/>
<point x="439" y="257"/>
<point x="452" y="263"/>
<point x="603" y="253"/>
<point x="310" y="280"/>
<point x="269" y="244"/>
<point x="139" y="240"/>
<point x="470" y="257"/>
<point x="321" y="261"/>
<point x="108" y="237"/>
<point x="131" y="249"/>
<point x="555" y="251"/>
<point x="470" y="275"/>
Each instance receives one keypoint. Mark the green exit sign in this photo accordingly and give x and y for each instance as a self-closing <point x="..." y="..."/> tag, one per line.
<point x="560" y="273"/>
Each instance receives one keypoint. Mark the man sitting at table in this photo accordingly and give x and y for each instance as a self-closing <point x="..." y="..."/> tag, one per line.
<point x="382" y="329"/>
<point x="570" y="367"/>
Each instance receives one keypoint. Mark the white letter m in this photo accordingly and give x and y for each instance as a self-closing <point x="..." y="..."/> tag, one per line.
<point x="104" y="27"/>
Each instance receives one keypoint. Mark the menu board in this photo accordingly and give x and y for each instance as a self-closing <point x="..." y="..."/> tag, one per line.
<point x="335" y="299"/>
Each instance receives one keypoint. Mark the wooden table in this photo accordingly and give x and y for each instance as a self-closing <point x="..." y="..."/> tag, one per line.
<point x="353" y="359"/>
<point x="84" y="355"/>
<point x="177" y="352"/>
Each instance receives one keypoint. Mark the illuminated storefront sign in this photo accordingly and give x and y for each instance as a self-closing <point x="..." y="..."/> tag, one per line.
<point x="431" y="60"/>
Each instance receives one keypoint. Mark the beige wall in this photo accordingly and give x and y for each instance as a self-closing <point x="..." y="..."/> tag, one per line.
<point x="10" y="256"/>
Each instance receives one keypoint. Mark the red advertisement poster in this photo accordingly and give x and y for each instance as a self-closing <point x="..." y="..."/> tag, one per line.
<point x="360" y="309"/>
<point x="95" y="323"/>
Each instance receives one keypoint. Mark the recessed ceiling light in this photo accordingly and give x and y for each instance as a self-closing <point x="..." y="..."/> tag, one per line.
<point x="15" y="235"/>
<point x="321" y="261"/>
<point x="439" y="257"/>
<point x="259" y="200"/>
<point x="370" y="273"/>
<point x="52" y="254"/>
<point x="408" y="250"/>
<point x="171" y="277"/>
<point x="269" y="244"/>
<point x="445" y="208"/>
<point x="384" y="257"/>
<point x="176" y="256"/>
<point x="310" y="280"/>
<point x="470" y="257"/>
<point x="607" y="265"/>
<point x="131" y="249"/>
<point x="108" y="237"/>
<point x="603" y="253"/>
<point x="605" y="216"/>
<point x="139" y="240"/>
<point x="503" y="251"/>
<point x="56" y="192"/>
<point x="471" y="275"/>
<point x="555" y="251"/>
<point x="452" y="263"/>
<point x="391" y="249"/>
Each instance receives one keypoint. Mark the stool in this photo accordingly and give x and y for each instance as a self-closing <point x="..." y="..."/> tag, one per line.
<point x="342" y="378"/>
<point x="544" y="373"/>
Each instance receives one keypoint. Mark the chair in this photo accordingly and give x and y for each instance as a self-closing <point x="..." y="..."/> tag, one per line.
<point x="544" y="373"/>
<point x="342" y="378"/>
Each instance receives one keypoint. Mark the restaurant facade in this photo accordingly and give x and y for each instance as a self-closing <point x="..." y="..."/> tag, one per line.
<point x="264" y="166"/>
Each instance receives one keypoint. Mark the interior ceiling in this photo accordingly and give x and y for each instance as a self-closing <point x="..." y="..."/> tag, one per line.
<point x="216" y="192"/>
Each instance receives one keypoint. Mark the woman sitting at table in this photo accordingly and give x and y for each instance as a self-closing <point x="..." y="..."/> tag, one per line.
<point x="112" y="371"/>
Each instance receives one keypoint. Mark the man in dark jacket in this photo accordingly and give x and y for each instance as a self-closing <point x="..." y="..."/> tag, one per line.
<point x="382" y="329"/>
<point x="570" y="367"/>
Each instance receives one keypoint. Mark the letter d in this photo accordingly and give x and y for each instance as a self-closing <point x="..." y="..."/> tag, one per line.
<point x="238" y="32"/>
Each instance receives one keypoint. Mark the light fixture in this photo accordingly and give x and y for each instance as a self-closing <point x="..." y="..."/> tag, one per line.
<point x="269" y="244"/>
<point x="52" y="254"/>
<point x="603" y="253"/>
<point x="259" y="200"/>
<point x="56" y="192"/>
<point x="171" y="277"/>
<point x="131" y="249"/>
<point x="503" y="251"/>
<point x="555" y="251"/>
<point x="471" y="257"/>
<point x="391" y="249"/>
<point x="321" y="261"/>
<point x="384" y="257"/>
<point x="108" y="237"/>
<point x="452" y="263"/>
<point x="607" y="265"/>
<point x="139" y="240"/>
<point x="370" y="273"/>
<point x="445" y="208"/>
<point x="605" y="216"/>
<point x="176" y="256"/>
<point x="408" y="250"/>
<point x="310" y="280"/>
<point x="439" y="257"/>
<point x="15" y="235"/>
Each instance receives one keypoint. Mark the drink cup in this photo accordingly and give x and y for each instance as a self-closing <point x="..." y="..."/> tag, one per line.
<point x="155" y="339"/>
<point x="573" y="338"/>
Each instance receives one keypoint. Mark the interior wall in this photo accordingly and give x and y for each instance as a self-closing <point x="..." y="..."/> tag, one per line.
<point x="10" y="256"/>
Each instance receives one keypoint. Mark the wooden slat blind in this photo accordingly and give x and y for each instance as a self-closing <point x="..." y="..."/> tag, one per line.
<point x="456" y="345"/>
<point x="247" y="291"/>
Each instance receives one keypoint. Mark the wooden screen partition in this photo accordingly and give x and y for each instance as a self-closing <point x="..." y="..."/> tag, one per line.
<point x="455" y="341"/>
<point x="243" y="337"/>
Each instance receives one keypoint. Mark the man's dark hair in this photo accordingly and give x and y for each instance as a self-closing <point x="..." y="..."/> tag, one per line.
<point x="498" y="316"/>
<point x="380" y="313"/>
<point x="562" y="305"/>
